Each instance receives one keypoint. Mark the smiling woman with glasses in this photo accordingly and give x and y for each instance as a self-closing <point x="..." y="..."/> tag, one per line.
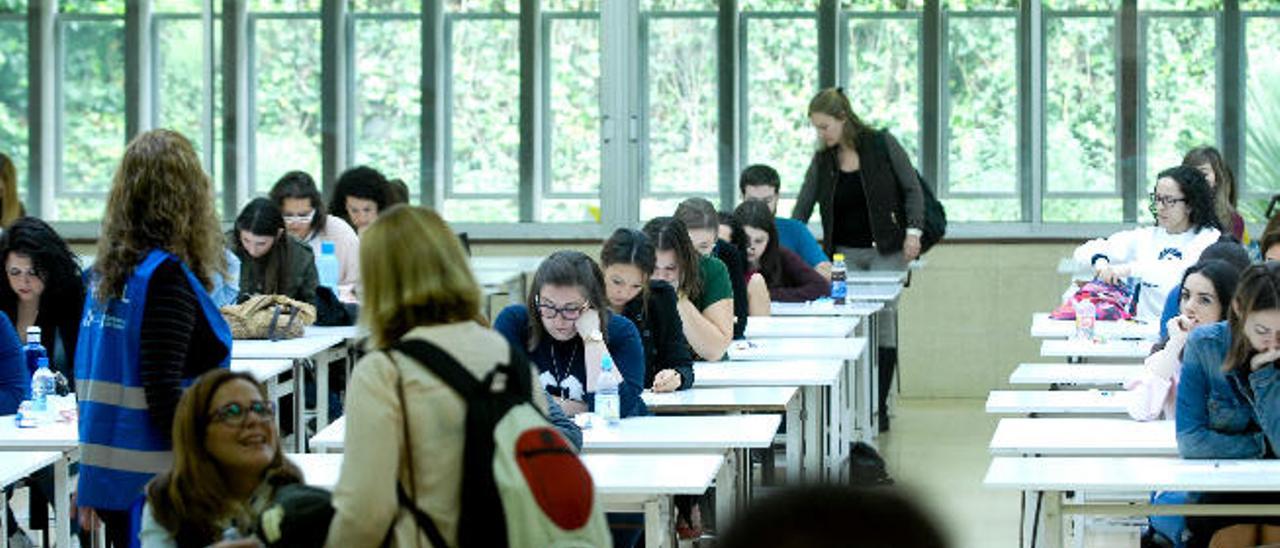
<point x="1186" y="223"/>
<point x="567" y="328"/>
<point x="227" y="464"/>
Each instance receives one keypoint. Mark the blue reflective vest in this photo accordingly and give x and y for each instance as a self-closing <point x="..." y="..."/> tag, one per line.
<point x="120" y="450"/>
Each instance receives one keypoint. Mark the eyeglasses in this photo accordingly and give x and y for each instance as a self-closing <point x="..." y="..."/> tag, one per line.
<point x="234" y="413"/>
<point x="1166" y="201"/>
<point x="300" y="219"/>
<point x="16" y="272"/>
<point x="569" y="312"/>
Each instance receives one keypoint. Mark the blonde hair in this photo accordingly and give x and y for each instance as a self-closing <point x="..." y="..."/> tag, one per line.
<point x="160" y="199"/>
<point x="10" y="207"/>
<point x="415" y="273"/>
<point x="834" y="103"/>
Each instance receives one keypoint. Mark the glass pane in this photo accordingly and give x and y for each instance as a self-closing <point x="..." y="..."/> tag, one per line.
<point x="387" y="6"/>
<point x="484" y="113"/>
<point x="1080" y="117"/>
<point x="966" y="5"/>
<point x="778" y="5"/>
<point x="882" y="5"/>
<point x="1262" y="119"/>
<point x="92" y="116"/>
<point x="13" y="98"/>
<point x="678" y="5"/>
<point x="1090" y="5"/>
<point x="284" y="6"/>
<point x="286" y="93"/>
<point x="570" y="5"/>
<point x="483" y="6"/>
<point x="682" y="121"/>
<point x="982" y="129"/>
<point x="1179" y="4"/>
<point x="180" y="104"/>
<point x="1181" y="89"/>
<point x="1259" y="4"/>
<point x="13" y="6"/>
<point x="884" y="77"/>
<point x="92" y="6"/>
<point x="387" y="101"/>
<point x="178" y="6"/>
<point x="1085" y="210"/>
<point x="782" y="76"/>
<point x="573" y="117"/>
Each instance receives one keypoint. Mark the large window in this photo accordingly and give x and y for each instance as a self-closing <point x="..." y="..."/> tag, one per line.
<point x="1180" y="88"/>
<point x="1262" y="118"/>
<point x="186" y="92"/>
<point x="13" y="95"/>
<point x="284" y="75"/>
<point x="572" y="154"/>
<point x="91" y="117"/>
<point x="386" y="102"/>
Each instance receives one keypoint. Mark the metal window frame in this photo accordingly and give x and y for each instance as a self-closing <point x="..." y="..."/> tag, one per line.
<point x="60" y="22"/>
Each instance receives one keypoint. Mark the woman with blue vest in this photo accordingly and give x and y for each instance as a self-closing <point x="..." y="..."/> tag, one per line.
<point x="149" y="326"/>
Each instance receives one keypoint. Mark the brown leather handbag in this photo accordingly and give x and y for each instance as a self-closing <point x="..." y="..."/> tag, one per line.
<point x="271" y="317"/>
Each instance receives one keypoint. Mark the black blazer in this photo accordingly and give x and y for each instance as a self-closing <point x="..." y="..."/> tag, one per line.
<point x="661" y="333"/>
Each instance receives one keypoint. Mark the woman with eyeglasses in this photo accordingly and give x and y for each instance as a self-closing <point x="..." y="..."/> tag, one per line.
<point x="567" y="328"/>
<point x="227" y="464"/>
<point x="305" y="219"/>
<point x="271" y="263"/>
<point x="44" y="288"/>
<point x="1186" y="224"/>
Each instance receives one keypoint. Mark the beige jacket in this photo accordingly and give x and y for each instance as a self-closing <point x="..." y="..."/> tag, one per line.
<point x="365" y="496"/>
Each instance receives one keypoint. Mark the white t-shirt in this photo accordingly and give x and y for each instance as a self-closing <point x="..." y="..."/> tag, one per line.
<point x="1155" y="256"/>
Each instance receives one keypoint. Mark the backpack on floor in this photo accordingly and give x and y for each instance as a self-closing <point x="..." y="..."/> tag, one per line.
<point x="522" y="484"/>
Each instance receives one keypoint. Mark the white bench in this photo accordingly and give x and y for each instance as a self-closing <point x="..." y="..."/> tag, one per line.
<point x="1083" y="350"/>
<point x="1036" y="402"/>
<point x="1054" y="477"/>
<point x="1080" y="374"/>
<point x="1084" y="437"/>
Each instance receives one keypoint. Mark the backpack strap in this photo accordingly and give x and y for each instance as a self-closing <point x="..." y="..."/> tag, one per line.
<point x="425" y="523"/>
<point x="442" y="365"/>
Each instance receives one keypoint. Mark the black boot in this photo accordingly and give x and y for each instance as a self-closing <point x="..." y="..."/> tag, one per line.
<point x="887" y="361"/>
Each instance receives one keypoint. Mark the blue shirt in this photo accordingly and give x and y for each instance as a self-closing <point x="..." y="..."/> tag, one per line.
<point x="1172" y="307"/>
<point x="15" y="382"/>
<point x="794" y="235"/>
<point x="561" y="365"/>
<point x="1224" y="414"/>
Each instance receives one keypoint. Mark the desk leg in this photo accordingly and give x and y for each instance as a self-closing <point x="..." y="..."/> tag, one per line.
<point x="873" y="375"/>
<point x="837" y="426"/>
<point x="813" y="437"/>
<point x="726" y="491"/>
<point x="1052" y="520"/>
<point x="299" y="421"/>
<point x="657" y="523"/>
<point x="4" y="529"/>
<point x="322" y="391"/>
<point x="62" y="502"/>
<point x="795" y="435"/>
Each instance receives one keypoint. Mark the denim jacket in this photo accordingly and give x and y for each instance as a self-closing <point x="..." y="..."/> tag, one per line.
<point x="1225" y="415"/>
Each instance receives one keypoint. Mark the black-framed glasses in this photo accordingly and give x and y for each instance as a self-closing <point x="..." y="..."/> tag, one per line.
<point x="234" y="413"/>
<point x="300" y="219"/>
<point x="1167" y="201"/>
<point x="569" y="312"/>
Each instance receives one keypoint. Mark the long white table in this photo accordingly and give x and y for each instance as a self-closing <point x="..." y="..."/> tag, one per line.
<point x="625" y="483"/>
<point x="1084" y="437"/>
<point x="811" y="348"/>
<point x="17" y="465"/>
<point x="1037" y="402"/>
<point x="1055" y="477"/>
<point x="785" y="327"/>
<point x="1083" y="374"/>
<point x="1043" y="327"/>
<point x="883" y="277"/>
<point x="1076" y="349"/>
<point x="317" y="350"/>
<point x="61" y="438"/>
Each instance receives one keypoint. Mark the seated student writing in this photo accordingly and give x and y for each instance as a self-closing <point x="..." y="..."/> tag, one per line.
<point x="1228" y="399"/>
<point x="702" y="286"/>
<point x="359" y="196"/>
<point x="305" y="218"/>
<point x="761" y="182"/>
<point x="788" y="277"/>
<point x="44" y="287"/>
<point x="1182" y="205"/>
<point x="271" y="263"/>
<point x="703" y="223"/>
<point x="628" y="259"/>
<point x="1208" y="161"/>
<point x="566" y="328"/>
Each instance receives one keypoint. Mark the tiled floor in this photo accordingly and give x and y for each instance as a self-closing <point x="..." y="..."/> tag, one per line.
<point x="938" y="450"/>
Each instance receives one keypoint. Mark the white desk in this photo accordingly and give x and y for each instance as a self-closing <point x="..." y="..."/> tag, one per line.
<point x="1085" y="374"/>
<point x="820" y="385"/>
<point x="1035" y="402"/>
<point x="316" y="350"/>
<point x="1084" y="437"/>
<point x="824" y="307"/>
<point x="1043" y="327"/>
<point x="876" y="277"/>
<point x="61" y="438"/>
<point x="511" y="263"/>
<point x="873" y="292"/>
<point x="780" y="327"/>
<point x="625" y="483"/>
<point x="810" y="348"/>
<point x="1073" y="349"/>
<point x="1054" y="477"/>
<point x="17" y="465"/>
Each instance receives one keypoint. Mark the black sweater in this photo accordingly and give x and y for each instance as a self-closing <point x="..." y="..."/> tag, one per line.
<point x="661" y="333"/>
<point x="734" y="260"/>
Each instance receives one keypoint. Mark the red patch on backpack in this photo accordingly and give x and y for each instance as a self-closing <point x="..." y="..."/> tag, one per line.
<point x="557" y="479"/>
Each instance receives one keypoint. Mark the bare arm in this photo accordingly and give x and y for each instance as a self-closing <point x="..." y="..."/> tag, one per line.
<point x="708" y="331"/>
<point x="758" y="296"/>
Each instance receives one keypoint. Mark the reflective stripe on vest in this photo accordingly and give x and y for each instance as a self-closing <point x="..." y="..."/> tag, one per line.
<point x="106" y="392"/>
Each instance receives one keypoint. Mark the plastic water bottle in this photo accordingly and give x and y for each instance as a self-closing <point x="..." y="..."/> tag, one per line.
<point x="34" y="350"/>
<point x="43" y="384"/>
<point x="1086" y="319"/>
<point x="327" y="265"/>
<point x="839" y="288"/>
<point x="608" y="403"/>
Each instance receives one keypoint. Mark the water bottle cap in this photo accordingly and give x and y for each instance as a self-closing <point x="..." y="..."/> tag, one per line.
<point x="606" y="363"/>
<point x="33" y="330"/>
<point x="42" y="363"/>
<point x="326" y="247"/>
<point x="838" y="257"/>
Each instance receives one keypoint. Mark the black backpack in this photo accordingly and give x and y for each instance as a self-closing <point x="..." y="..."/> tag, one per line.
<point x="935" y="217"/>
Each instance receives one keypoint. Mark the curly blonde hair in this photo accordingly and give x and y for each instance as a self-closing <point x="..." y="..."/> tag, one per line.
<point x="160" y="199"/>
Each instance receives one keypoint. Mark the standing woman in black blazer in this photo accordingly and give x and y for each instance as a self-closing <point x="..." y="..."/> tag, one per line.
<point x="870" y="200"/>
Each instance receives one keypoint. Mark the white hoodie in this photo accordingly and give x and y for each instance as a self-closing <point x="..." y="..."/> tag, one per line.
<point x="1154" y="255"/>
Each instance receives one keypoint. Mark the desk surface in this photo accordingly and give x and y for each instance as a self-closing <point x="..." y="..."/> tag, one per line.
<point x="1044" y="327"/>
<point x="1094" y="474"/>
<point x="300" y="348"/>
<point x="613" y="474"/>
<point x="1084" y="437"/>
<point x="767" y="373"/>
<point x="774" y="327"/>
<point x="824" y="308"/>
<point x="57" y="436"/>
<point x="814" y="348"/>
<point x="757" y="399"/>
<point x="1024" y="402"/>
<point x="510" y="263"/>
<point x="263" y="370"/>
<point x="710" y="433"/>
<point x="15" y="465"/>
<point x="876" y="276"/>
<point x="345" y="331"/>
<point x="873" y="292"/>
<point x="1095" y="374"/>
<point x="1124" y="349"/>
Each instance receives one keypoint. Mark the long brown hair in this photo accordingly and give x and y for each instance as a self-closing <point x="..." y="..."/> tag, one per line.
<point x="261" y="217"/>
<point x="670" y="234"/>
<point x="834" y="103"/>
<point x="1224" y="191"/>
<point x="10" y="207"/>
<point x="191" y="498"/>
<point x="160" y="199"/>
<point x="1258" y="290"/>
<point x="567" y="268"/>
